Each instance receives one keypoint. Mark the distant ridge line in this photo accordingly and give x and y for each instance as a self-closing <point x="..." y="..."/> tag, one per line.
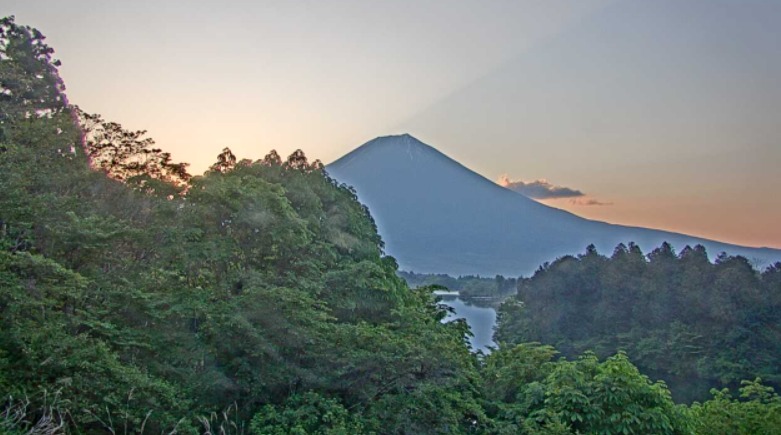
<point x="438" y="216"/>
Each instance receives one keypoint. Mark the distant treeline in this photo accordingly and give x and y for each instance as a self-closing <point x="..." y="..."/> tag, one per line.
<point x="469" y="285"/>
<point x="680" y="318"/>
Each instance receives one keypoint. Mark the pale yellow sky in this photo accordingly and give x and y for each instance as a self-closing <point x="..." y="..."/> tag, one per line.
<point x="667" y="110"/>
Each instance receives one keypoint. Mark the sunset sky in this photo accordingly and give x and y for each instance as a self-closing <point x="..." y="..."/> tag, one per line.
<point x="664" y="113"/>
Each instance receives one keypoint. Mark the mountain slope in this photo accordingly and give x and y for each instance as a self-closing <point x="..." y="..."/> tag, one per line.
<point x="435" y="215"/>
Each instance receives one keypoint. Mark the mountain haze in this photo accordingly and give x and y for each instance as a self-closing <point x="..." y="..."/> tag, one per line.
<point x="437" y="216"/>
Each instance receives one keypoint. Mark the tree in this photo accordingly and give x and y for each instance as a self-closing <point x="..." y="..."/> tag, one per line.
<point x="757" y="412"/>
<point x="127" y="155"/>
<point x="298" y="161"/>
<point x="611" y="397"/>
<point x="30" y="85"/>
<point x="527" y="392"/>
<point x="226" y="161"/>
<point x="304" y="414"/>
<point x="272" y="159"/>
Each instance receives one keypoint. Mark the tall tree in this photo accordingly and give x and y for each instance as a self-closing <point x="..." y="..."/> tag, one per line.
<point x="30" y="85"/>
<point x="127" y="155"/>
<point x="226" y="161"/>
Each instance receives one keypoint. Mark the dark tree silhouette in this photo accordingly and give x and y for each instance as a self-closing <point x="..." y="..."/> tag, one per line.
<point x="127" y="155"/>
<point x="226" y="161"/>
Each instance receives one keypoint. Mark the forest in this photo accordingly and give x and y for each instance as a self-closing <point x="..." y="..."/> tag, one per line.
<point x="695" y="324"/>
<point x="256" y="299"/>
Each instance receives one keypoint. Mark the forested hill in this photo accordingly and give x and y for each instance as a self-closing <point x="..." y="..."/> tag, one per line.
<point x="135" y="298"/>
<point x="681" y="318"/>
<point x="252" y="299"/>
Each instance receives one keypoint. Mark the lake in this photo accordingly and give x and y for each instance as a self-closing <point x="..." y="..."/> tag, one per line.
<point x="480" y="315"/>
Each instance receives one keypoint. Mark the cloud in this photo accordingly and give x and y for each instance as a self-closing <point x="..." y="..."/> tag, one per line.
<point x="539" y="189"/>
<point x="589" y="202"/>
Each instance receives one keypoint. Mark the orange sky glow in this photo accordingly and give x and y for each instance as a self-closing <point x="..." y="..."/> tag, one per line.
<point x="662" y="114"/>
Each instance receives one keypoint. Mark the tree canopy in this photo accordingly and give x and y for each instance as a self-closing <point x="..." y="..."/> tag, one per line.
<point x="681" y="318"/>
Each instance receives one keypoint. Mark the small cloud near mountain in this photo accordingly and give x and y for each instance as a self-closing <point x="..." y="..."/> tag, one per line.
<point x="589" y="202"/>
<point x="539" y="189"/>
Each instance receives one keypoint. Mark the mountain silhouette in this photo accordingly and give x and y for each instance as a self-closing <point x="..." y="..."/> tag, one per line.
<point x="437" y="216"/>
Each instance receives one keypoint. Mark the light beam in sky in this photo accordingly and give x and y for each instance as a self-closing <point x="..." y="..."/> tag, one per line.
<point x="666" y="109"/>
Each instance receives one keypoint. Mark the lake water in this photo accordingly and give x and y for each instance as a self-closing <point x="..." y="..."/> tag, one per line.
<point x="479" y="313"/>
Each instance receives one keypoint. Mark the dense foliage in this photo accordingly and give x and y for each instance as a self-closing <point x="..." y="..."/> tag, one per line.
<point x="138" y="305"/>
<point x="254" y="298"/>
<point x="681" y="318"/>
<point x="758" y="411"/>
<point x="532" y="394"/>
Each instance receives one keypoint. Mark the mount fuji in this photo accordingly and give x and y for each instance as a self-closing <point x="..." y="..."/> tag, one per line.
<point x="437" y="216"/>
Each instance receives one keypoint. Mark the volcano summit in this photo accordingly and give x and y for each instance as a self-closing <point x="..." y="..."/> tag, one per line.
<point x="437" y="216"/>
